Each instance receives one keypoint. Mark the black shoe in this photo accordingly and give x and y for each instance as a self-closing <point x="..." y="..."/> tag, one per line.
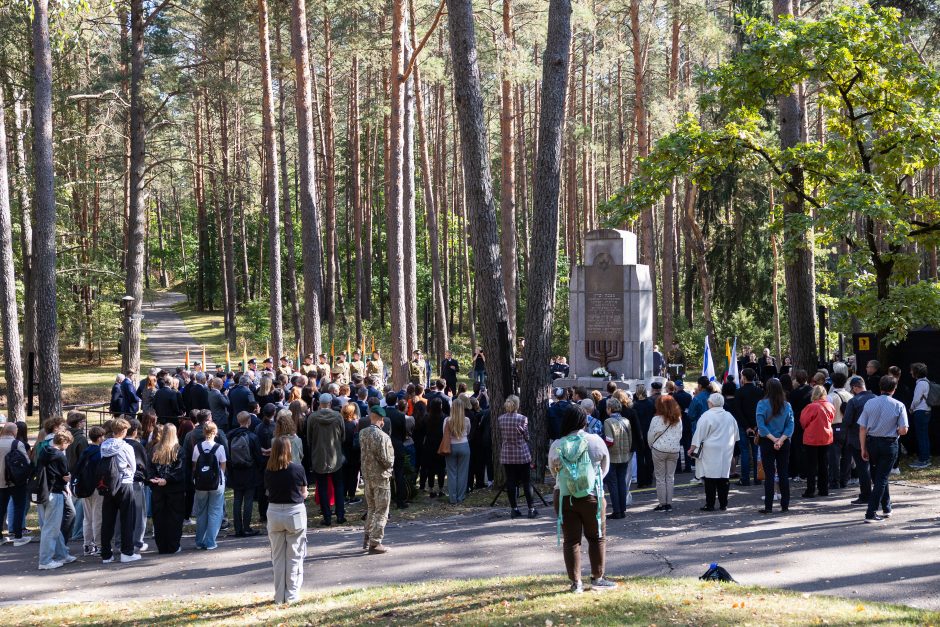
<point x="432" y="495"/>
<point x="325" y="523"/>
<point x="353" y="501"/>
<point x="743" y="483"/>
<point x="824" y="494"/>
<point x="808" y="495"/>
<point x="668" y="508"/>
<point x="784" y="509"/>
<point x="764" y="510"/>
<point x="252" y="533"/>
<point x="515" y="513"/>
<point x="758" y="482"/>
<point x="723" y="508"/>
<point x="237" y="534"/>
<point x="402" y="506"/>
<point x="340" y="521"/>
<point x="659" y="508"/>
<point x="533" y="512"/>
<point x="859" y="501"/>
<point x="225" y="525"/>
<point x="707" y="509"/>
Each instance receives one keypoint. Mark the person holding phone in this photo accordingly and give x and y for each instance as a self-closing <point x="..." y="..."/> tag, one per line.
<point x="775" y="424"/>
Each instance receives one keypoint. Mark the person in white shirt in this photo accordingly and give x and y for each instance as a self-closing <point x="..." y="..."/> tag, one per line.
<point x="713" y="442"/>
<point x="920" y="415"/>
<point x="840" y="455"/>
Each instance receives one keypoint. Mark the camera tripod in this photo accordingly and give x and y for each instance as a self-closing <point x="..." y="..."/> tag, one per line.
<point x="534" y="489"/>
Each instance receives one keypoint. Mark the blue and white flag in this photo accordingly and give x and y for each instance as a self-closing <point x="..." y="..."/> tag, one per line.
<point x="733" y="364"/>
<point x="708" y="364"/>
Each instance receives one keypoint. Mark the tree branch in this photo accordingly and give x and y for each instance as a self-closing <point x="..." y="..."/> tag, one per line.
<point x="153" y="14"/>
<point x="424" y="40"/>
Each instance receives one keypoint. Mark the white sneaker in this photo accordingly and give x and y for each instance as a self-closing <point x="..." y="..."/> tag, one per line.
<point x="50" y="566"/>
<point x="21" y="541"/>
<point x="695" y="480"/>
<point x="143" y="547"/>
<point x="69" y="559"/>
<point x="129" y="558"/>
<point x="110" y="560"/>
<point x="895" y="471"/>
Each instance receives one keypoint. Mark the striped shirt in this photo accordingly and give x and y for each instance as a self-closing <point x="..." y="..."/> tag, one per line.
<point x="883" y="416"/>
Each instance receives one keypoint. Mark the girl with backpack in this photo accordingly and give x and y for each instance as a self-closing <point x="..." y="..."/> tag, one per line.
<point x="579" y="461"/>
<point x="168" y="490"/>
<point x="209" y="480"/>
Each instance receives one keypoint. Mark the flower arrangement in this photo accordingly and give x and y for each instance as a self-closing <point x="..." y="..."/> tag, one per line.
<point x="600" y="372"/>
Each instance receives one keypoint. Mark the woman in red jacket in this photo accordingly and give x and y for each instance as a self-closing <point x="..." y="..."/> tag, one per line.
<point x="816" y="420"/>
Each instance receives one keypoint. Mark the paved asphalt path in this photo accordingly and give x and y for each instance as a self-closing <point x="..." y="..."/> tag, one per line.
<point x="168" y="337"/>
<point x="820" y="547"/>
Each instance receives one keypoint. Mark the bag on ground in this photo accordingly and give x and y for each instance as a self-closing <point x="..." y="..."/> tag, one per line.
<point x="717" y="573"/>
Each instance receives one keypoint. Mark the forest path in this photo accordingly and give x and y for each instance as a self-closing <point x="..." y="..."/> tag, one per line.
<point x="167" y="335"/>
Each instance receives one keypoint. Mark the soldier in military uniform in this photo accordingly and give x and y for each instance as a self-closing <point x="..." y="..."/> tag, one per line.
<point x="375" y="368"/>
<point x="340" y="370"/>
<point x="417" y="368"/>
<point x="378" y="458"/>
<point x="356" y="366"/>
<point x="323" y="368"/>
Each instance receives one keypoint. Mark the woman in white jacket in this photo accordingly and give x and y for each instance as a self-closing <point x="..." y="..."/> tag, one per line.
<point x="713" y="444"/>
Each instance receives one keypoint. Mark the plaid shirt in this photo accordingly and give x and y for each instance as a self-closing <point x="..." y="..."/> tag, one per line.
<point x="514" y="433"/>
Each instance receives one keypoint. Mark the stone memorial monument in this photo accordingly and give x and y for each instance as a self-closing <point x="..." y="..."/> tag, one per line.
<point x="611" y="313"/>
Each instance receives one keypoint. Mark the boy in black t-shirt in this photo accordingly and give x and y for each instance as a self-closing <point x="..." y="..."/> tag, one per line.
<point x="53" y="551"/>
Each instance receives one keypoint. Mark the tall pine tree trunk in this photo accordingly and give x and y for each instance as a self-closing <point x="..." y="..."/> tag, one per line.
<point x="798" y="262"/>
<point x="494" y="315"/>
<point x="409" y="246"/>
<point x="507" y="179"/>
<point x="311" y="246"/>
<point x="329" y="200"/>
<point x="44" y="269"/>
<point x="26" y="226"/>
<point x="13" y="370"/>
<point x="541" y="275"/>
<point x="355" y="177"/>
<point x="274" y="218"/>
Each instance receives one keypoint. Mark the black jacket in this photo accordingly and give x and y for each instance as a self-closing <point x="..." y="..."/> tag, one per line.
<point x="198" y="397"/>
<point x="143" y="461"/>
<point x="168" y="405"/>
<point x="241" y="399"/>
<point x="174" y="474"/>
<point x="243" y="478"/>
<point x="56" y="467"/>
<point x="747" y="397"/>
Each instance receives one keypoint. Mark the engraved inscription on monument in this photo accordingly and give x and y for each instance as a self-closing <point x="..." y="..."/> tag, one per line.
<point x="603" y="287"/>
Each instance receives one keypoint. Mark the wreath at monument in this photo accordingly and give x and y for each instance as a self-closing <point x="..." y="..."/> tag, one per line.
<point x="602" y="372"/>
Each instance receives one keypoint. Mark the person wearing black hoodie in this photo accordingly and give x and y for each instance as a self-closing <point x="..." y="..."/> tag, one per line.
<point x="168" y="490"/>
<point x="398" y="433"/>
<point x="53" y="551"/>
<point x="140" y="485"/>
<point x="245" y="473"/>
<point x="800" y="398"/>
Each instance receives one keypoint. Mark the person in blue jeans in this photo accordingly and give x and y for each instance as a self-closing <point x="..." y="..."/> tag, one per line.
<point x="746" y="398"/>
<point x="920" y="415"/>
<point x="883" y="420"/>
<point x="53" y="551"/>
<point x="208" y="505"/>
<point x="775" y="425"/>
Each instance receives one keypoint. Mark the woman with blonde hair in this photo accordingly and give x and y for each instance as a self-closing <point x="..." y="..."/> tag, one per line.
<point x="457" y="429"/>
<point x="265" y="393"/>
<point x="285" y="426"/>
<point x="167" y="489"/>
<point x="816" y="420"/>
<point x="285" y="483"/>
<point x="515" y="455"/>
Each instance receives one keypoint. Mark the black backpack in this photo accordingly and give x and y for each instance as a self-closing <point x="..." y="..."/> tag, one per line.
<point x="107" y="476"/>
<point x="241" y="451"/>
<point x="207" y="474"/>
<point x="17" y="465"/>
<point x="38" y="486"/>
<point x="84" y="478"/>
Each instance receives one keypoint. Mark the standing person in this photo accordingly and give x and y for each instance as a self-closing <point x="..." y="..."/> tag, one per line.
<point x="713" y="445"/>
<point x="457" y="429"/>
<point x="800" y="397"/>
<point x="219" y="405"/>
<point x="53" y="550"/>
<point x="579" y="461"/>
<point x="853" y="411"/>
<point x="450" y="367"/>
<point x="245" y="468"/>
<point x="515" y="455"/>
<point x="116" y="406"/>
<point x="375" y="368"/>
<point x="130" y="401"/>
<point x="618" y="435"/>
<point x="325" y="435"/>
<point x="168" y="402"/>
<point x="140" y="486"/>
<point x="85" y="471"/>
<point x="479" y="367"/>
<point x="645" y="409"/>
<point x="873" y="375"/>
<point x="351" y="456"/>
<point x="920" y="412"/>
<point x="10" y="492"/>
<point x="665" y="440"/>
<point x="148" y="390"/>
<point x="209" y="463"/>
<point x="286" y="486"/>
<point x="883" y="420"/>
<point x="816" y="421"/>
<point x="747" y="397"/>
<point x="168" y="490"/>
<point x="378" y="459"/>
<point x="76" y="424"/>
<point x="775" y="426"/>
<point x="396" y="427"/>
<point x="840" y="454"/>
<point x="118" y="498"/>
<point x="286" y="426"/>
<point x="433" y="434"/>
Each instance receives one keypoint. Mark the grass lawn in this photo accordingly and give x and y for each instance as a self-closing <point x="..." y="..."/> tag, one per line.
<point x="498" y="601"/>
<point x="923" y="476"/>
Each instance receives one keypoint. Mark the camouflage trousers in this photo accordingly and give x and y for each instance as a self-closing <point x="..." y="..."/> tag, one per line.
<point x="378" y="498"/>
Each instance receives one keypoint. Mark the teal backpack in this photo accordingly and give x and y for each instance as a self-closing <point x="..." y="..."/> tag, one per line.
<point x="578" y="476"/>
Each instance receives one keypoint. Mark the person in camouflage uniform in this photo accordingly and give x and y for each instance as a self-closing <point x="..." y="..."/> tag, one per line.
<point x="378" y="457"/>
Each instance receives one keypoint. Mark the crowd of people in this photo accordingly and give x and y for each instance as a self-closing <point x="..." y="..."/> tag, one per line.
<point x="179" y="440"/>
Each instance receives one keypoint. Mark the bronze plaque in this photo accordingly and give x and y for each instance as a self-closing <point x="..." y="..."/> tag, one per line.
<point x="603" y="300"/>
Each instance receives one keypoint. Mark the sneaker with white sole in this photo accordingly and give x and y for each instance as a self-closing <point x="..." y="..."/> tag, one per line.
<point x="110" y="560"/>
<point x="50" y="566"/>
<point x="143" y="547"/>
<point x="576" y="587"/>
<point x="21" y="541"/>
<point x="129" y="558"/>
<point x="602" y="584"/>
<point x="69" y="559"/>
<point x="895" y="471"/>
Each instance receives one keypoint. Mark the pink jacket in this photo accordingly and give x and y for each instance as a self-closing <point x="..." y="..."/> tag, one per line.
<point x="816" y="420"/>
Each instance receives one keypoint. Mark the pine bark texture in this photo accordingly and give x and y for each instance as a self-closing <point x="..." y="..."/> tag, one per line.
<point x="542" y="272"/>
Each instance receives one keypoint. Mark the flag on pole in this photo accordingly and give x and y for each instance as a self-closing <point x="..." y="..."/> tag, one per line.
<point x="267" y="349"/>
<point x="332" y="350"/>
<point x="245" y="356"/>
<point x="186" y="360"/>
<point x="733" y="364"/>
<point x="299" y="361"/>
<point x="228" y="359"/>
<point x="708" y="365"/>
<point x="348" y="353"/>
<point x="204" y="358"/>
<point x="373" y="343"/>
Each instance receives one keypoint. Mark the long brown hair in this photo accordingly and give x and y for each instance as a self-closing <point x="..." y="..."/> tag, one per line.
<point x="668" y="408"/>
<point x="167" y="445"/>
<point x="280" y="454"/>
<point x="285" y="424"/>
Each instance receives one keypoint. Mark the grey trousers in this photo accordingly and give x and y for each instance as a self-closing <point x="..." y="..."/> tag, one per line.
<point x="287" y="532"/>
<point x="140" y="515"/>
<point x="664" y="469"/>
